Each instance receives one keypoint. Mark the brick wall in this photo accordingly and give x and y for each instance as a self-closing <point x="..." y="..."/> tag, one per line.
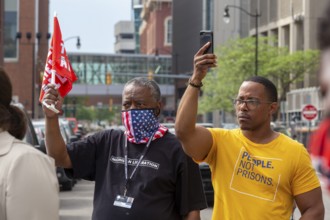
<point x="20" y="71"/>
<point x="152" y="36"/>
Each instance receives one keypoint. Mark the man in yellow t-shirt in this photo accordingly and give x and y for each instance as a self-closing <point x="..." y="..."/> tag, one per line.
<point x="257" y="173"/>
<point x="261" y="179"/>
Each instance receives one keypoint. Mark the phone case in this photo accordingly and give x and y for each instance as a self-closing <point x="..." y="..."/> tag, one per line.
<point x="206" y="36"/>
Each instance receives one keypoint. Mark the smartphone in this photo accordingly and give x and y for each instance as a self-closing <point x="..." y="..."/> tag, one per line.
<point x="206" y="36"/>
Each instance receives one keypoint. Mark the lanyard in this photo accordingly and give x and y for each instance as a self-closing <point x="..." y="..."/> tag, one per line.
<point x="128" y="179"/>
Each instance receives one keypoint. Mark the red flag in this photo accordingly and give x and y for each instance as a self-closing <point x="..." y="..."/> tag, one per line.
<point x="58" y="62"/>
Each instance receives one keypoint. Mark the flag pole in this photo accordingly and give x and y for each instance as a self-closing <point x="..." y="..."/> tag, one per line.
<point x="52" y="81"/>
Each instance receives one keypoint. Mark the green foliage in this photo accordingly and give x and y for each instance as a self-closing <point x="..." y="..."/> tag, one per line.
<point x="85" y="113"/>
<point x="236" y="62"/>
<point x="77" y="106"/>
<point x="92" y="113"/>
<point x="286" y="68"/>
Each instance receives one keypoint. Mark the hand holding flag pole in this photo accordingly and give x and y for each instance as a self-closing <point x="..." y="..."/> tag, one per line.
<point x="58" y="70"/>
<point x="52" y="106"/>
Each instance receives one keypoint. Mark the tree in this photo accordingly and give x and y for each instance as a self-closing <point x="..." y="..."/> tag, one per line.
<point x="84" y="113"/>
<point x="287" y="69"/>
<point x="92" y="113"/>
<point x="236" y="62"/>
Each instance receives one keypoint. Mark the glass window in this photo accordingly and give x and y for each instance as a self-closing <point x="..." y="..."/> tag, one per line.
<point x="168" y="31"/>
<point x="11" y="26"/>
<point x="126" y="36"/>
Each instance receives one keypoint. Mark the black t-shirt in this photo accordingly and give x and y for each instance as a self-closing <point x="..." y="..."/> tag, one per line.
<point x="166" y="185"/>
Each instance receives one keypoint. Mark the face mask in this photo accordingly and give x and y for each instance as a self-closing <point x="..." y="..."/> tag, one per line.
<point x="140" y="124"/>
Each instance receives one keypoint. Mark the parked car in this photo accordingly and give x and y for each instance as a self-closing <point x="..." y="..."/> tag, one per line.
<point x="205" y="172"/>
<point x="66" y="184"/>
<point x="73" y="123"/>
<point x="68" y="130"/>
<point x="207" y="182"/>
<point x="283" y="130"/>
<point x="206" y="125"/>
<point x="30" y="135"/>
<point x="82" y="130"/>
<point x="229" y="125"/>
<point x="64" y="181"/>
<point x="169" y="125"/>
<point x="35" y="136"/>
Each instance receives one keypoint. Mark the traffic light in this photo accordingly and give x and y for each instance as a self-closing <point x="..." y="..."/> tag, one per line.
<point x="150" y="75"/>
<point x="108" y="78"/>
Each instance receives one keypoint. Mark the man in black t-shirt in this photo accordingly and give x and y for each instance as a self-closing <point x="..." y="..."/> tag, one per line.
<point x="139" y="173"/>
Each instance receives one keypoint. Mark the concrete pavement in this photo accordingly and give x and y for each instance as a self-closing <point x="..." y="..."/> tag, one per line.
<point x="78" y="203"/>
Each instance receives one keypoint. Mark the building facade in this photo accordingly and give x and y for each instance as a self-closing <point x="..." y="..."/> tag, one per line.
<point x="137" y="6"/>
<point x="238" y="26"/>
<point x="124" y="35"/>
<point x="92" y="85"/>
<point x="26" y="40"/>
<point x="156" y="27"/>
<point x="187" y="25"/>
<point x="294" y="24"/>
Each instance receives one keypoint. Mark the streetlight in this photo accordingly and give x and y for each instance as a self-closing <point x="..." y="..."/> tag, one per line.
<point x="74" y="37"/>
<point x="78" y="44"/>
<point x="226" y="19"/>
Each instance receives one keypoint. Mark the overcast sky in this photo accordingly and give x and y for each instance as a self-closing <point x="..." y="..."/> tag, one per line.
<point x="93" y="21"/>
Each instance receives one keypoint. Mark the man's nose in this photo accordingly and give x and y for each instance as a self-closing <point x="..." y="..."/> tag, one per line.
<point x="132" y="106"/>
<point x="243" y="106"/>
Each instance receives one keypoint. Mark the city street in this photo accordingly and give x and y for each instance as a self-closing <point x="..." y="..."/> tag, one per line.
<point x="77" y="204"/>
<point x="258" y="66"/>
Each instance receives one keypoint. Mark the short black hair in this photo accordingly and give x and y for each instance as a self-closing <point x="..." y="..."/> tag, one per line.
<point x="144" y="82"/>
<point x="269" y="86"/>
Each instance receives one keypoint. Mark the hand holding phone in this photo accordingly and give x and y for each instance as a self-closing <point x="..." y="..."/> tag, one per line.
<point x="206" y="36"/>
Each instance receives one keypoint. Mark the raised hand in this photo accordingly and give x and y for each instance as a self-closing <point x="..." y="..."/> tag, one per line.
<point x="52" y="96"/>
<point x="202" y="62"/>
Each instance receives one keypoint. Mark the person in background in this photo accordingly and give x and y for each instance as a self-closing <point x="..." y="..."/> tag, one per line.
<point x="319" y="144"/>
<point x="257" y="173"/>
<point x="139" y="173"/>
<point x="28" y="183"/>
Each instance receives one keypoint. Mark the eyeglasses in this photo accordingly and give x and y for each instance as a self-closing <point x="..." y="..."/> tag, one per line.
<point x="251" y="103"/>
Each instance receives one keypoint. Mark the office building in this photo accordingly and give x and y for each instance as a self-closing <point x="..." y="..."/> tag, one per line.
<point x="137" y="6"/>
<point x="124" y="35"/>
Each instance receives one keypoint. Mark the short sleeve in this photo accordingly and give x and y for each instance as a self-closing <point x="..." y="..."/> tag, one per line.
<point x="83" y="157"/>
<point x="305" y="178"/>
<point x="90" y="155"/>
<point x="32" y="190"/>
<point x="189" y="191"/>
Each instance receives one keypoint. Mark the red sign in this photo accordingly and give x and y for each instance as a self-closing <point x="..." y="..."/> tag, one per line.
<point x="309" y="112"/>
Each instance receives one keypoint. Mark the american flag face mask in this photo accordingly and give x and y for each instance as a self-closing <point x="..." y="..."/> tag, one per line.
<point x="141" y="124"/>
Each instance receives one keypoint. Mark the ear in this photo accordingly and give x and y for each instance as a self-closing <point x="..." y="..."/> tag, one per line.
<point x="157" y="109"/>
<point x="273" y="108"/>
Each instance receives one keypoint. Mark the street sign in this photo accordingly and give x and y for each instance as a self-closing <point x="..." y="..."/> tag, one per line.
<point x="309" y="112"/>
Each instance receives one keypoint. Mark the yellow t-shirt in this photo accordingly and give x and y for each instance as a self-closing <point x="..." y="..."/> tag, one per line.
<point x="257" y="181"/>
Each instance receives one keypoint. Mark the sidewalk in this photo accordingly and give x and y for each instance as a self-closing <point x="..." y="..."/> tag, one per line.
<point x="326" y="201"/>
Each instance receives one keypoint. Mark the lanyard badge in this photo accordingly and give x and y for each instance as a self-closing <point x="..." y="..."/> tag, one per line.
<point x="123" y="200"/>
